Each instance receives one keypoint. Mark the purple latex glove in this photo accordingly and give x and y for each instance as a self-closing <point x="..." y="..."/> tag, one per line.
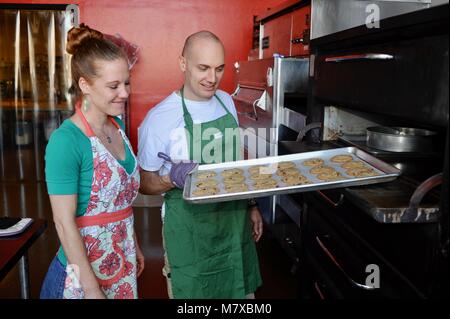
<point x="179" y="170"/>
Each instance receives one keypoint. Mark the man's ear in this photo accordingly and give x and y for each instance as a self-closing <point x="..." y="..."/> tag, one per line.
<point x="84" y="85"/>
<point x="182" y="62"/>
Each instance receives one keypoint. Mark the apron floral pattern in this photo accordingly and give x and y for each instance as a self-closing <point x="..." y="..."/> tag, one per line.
<point x="107" y="225"/>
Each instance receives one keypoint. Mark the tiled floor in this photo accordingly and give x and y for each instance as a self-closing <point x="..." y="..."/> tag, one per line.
<point x="31" y="200"/>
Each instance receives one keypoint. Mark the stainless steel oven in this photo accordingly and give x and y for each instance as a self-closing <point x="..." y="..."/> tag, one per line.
<point x="270" y="99"/>
<point x="344" y="15"/>
<point x="396" y="76"/>
<point x="270" y="93"/>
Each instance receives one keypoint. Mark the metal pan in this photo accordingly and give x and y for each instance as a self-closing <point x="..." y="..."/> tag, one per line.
<point x="385" y="173"/>
<point x="400" y="139"/>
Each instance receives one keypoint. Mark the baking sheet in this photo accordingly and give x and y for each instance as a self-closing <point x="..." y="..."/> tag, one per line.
<point x="385" y="173"/>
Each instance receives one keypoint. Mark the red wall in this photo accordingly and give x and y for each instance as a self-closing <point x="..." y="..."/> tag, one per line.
<point x="159" y="28"/>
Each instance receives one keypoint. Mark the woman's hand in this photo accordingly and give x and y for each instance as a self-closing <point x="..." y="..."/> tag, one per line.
<point x="64" y="208"/>
<point x="257" y="223"/>
<point x="140" y="259"/>
<point x="94" y="293"/>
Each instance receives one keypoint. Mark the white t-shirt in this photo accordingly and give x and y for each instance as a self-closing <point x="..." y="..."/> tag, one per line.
<point x="163" y="128"/>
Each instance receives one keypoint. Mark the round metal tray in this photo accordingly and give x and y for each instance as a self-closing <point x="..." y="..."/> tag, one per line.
<point x="400" y="139"/>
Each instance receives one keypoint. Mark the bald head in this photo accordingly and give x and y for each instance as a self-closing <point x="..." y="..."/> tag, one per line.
<point x="203" y="63"/>
<point x="196" y="38"/>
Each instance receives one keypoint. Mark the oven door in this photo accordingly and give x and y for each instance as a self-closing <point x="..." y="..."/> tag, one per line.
<point x="361" y="259"/>
<point x="389" y="79"/>
<point x="256" y="123"/>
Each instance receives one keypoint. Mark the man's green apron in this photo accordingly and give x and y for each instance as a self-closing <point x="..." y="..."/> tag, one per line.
<point x="210" y="247"/>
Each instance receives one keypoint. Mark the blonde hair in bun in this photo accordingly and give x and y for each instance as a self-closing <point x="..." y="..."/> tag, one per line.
<point x="87" y="46"/>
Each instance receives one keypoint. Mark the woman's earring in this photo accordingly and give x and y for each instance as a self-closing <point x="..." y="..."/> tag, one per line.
<point x="85" y="104"/>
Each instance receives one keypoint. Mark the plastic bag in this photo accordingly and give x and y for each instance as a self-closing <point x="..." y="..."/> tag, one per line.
<point x="131" y="50"/>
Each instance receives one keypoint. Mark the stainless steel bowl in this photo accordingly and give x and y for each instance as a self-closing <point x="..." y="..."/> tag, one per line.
<point x="400" y="139"/>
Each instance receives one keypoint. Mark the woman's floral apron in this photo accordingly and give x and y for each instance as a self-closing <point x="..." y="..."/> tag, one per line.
<point x="107" y="225"/>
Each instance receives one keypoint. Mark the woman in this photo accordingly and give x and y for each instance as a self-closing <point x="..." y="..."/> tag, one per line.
<point x="92" y="177"/>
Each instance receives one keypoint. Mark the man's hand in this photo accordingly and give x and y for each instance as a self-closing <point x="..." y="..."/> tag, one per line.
<point x="257" y="223"/>
<point x="153" y="184"/>
<point x="179" y="170"/>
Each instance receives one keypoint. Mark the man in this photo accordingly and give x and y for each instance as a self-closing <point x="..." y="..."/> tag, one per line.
<point x="210" y="249"/>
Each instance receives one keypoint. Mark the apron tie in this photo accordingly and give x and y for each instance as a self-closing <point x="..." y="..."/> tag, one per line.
<point x="104" y="218"/>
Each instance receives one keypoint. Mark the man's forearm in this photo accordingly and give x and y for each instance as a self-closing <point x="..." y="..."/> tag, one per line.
<point x="153" y="184"/>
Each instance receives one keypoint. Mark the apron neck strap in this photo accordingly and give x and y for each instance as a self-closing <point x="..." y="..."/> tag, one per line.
<point x="88" y="128"/>
<point x="187" y="116"/>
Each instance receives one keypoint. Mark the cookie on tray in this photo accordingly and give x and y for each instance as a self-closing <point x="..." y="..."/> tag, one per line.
<point x="258" y="176"/>
<point x="236" y="188"/>
<point x="232" y="172"/>
<point x="205" y="174"/>
<point x="285" y="165"/>
<point x="206" y="191"/>
<point x="292" y="180"/>
<point x="203" y="183"/>
<point x="313" y="162"/>
<point x="353" y="164"/>
<point x="341" y="158"/>
<point x="234" y="179"/>
<point x="322" y="170"/>
<point x="264" y="184"/>
<point x="330" y="176"/>
<point x="288" y="171"/>
<point x="361" y="172"/>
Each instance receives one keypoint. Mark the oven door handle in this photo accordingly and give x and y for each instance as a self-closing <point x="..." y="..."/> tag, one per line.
<point x="422" y="190"/>
<point x="306" y="129"/>
<point x="333" y="259"/>
<point x="330" y="201"/>
<point x="357" y="57"/>
<point x="316" y="286"/>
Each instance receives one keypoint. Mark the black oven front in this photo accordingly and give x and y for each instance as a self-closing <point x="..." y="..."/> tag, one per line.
<point x="367" y="242"/>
